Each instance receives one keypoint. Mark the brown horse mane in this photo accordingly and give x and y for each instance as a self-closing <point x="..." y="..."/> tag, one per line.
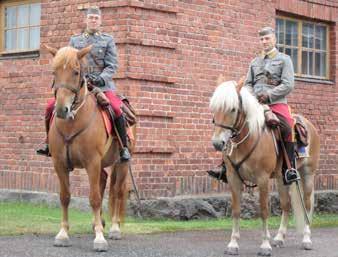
<point x="67" y="58"/>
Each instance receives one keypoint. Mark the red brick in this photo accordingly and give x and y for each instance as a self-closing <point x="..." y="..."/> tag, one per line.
<point x="170" y="54"/>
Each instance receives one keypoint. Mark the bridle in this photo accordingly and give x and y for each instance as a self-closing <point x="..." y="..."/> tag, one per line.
<point x="76" y="104"/>
<point x="236" y="131"/>
<point x="239" y="124"/>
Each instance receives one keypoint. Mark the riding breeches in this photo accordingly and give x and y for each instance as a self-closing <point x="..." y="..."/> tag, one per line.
<point x="283" y="113"/>
<point x="114" y="100"/>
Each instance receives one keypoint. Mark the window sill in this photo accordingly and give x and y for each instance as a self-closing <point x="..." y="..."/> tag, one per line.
<point x="20" y="55"/>
<point x="315" y="81"/>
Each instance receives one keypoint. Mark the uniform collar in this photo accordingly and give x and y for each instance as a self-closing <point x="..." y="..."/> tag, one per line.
<point x="88" y="33"/>
<point x="271" y="54"/>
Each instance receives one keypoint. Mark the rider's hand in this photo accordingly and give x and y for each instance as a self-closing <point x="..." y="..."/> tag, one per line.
<point x="263" y="98"/>
<point x="95" y="80"/>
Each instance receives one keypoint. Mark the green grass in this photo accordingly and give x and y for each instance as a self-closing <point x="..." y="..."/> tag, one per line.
<point x="23" y="218"/>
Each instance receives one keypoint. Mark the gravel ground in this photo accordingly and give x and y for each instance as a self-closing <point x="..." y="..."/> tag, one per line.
<point x="178" y="244"/>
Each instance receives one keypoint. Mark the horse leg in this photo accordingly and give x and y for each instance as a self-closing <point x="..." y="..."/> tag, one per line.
<point x="94" y="170"/>
<point x="117" y="195"/>
<point x="265" y="248"/>
<point x="236" y="193"/>
<point x="62" y="238"/>
<point x="308" y="188"/>
<point x="103" y="183"/>
<point x="283" y="191"/>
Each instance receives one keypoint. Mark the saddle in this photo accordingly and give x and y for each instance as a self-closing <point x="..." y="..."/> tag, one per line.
<point x="300" y="130"/>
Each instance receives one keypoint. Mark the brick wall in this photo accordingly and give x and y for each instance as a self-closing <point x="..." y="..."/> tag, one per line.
<point x="170" y="54"/>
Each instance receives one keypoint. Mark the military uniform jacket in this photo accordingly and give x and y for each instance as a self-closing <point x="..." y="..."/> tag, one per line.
<point x="102" y="59"/>
<point x="273" y="74"/>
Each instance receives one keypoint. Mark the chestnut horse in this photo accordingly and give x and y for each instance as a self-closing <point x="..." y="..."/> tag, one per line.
<point x="239" y="122"/>
<point x="78" y="138"/>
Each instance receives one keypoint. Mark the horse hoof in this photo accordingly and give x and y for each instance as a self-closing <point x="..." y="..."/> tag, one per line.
<point x="307" y="246"/>
<point x="278" y="243"/>
<point x="100" y="246"/>
<point x="115" y="235"/>
<point x="264" y="252"/>
<point x="231" y="251"/>
<point x="62" y="242"/>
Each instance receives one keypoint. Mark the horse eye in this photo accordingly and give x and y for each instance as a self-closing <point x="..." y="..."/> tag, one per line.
<point x="233" y="110"/>
<point x="76" y="73"/>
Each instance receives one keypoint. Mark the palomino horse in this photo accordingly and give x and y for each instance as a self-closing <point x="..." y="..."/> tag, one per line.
<point x="78" y="138"/>
<point x="239" y="122"/>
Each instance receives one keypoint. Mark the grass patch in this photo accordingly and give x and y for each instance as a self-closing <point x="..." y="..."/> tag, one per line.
<point x="24" y="218"/>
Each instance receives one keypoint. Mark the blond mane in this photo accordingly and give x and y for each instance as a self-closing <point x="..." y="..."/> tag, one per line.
<point x="225" y="98"/>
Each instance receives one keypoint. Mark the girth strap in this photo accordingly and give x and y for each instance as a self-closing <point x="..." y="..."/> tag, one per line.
<point x="238" y="165"/>
<point x="68" y="140"/>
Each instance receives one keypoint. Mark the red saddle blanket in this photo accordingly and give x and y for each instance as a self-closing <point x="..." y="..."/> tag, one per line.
<point x="107" y="124"/>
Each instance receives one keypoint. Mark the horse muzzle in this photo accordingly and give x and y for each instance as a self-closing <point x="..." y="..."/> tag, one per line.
<point x="64" y="112"/>
<point x="221" y="140"/>
<point x="218" y="145"/>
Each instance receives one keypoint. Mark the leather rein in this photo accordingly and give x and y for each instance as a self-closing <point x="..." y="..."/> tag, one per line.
<point x="237" y="129"/>
<point x="68" y="139"/>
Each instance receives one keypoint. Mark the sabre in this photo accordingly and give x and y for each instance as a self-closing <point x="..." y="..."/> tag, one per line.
<point x="139" y="214"/>
<point x="306" y="216"/>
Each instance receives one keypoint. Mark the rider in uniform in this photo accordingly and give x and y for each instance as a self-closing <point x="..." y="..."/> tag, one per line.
<point x="271" y="78"/>
<point x="101" y="66"/>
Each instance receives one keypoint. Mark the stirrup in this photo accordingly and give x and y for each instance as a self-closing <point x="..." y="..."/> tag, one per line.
<point x="125" y="154"/>
<point x="291" y="175"/>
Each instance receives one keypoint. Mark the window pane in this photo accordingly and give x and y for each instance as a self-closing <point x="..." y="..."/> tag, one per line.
<point x="280" y="31"/>
<point x="311" y="72"/>
<point x="34" y="38"/>
<point x="23" y="42"/>
<point x="291" y="35"/>
<point x="320" y="37"/>
<point x="10" y="17"/>
<point x="10" y="39"/>
<point x="320" y="64"/>
<point x="294" y="57"/>
<point x="35" y="14"/>
<point x="323" y="64"/>
<point x="23" y="15"/>
<point x="307" y="63"/>
<point x="308" y="35"/>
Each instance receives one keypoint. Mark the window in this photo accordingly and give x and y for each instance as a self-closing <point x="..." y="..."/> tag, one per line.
<point x="307" y="45"/>
<point x="20" y="26"/>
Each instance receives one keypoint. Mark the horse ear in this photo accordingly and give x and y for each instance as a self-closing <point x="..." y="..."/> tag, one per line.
<point x="220" y="79"/>
<point x="81" y="53"/>
<point x="240" y="84"/>
<point x="51" y="50"/>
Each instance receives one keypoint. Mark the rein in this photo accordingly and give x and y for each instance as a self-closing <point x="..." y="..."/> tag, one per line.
<point x="68" y="139"/>
<point x="236" y="133"/>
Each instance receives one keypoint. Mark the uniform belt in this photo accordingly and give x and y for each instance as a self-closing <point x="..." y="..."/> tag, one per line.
<point x="91" y="69"/>
<point x="269" y="81"/>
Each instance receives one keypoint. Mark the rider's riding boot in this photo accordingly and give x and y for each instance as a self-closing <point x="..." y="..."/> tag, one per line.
<point x="219" y="173"/>
<point x="270" y="118"/>
<point x="290" y="175"/>
<point x="121" y="129"/>
<point x="45" y="149"/>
